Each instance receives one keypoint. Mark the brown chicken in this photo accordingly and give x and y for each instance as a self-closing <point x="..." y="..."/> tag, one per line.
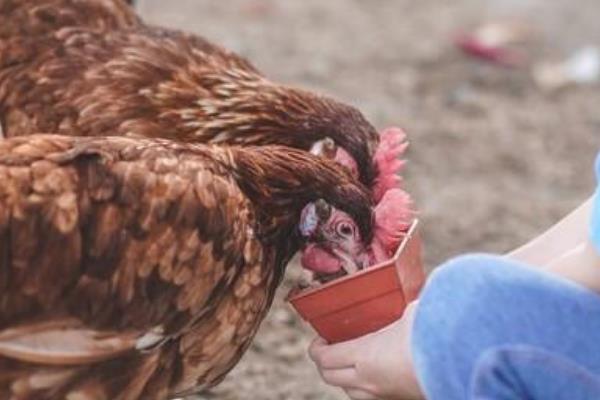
<point x="141" y="268"/>
<point x="85" y="67"/>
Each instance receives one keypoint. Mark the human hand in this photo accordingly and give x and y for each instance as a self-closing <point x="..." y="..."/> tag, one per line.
<point x="375" y="366"/>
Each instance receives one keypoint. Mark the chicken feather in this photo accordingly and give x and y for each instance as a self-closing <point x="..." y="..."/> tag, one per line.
<point x="87" y="67"/>
<point x="141" y="268"/>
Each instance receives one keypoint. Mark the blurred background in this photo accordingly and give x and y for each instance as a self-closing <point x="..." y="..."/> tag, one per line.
<point x="497" y="153"/>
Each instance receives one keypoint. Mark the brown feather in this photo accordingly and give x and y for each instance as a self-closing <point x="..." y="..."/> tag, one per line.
<point x="142" y="268"/>
<point x="87" y="67"/>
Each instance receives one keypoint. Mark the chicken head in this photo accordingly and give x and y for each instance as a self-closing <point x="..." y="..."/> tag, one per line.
<point x="386" y="159"/>
<point x="334" y="246"/>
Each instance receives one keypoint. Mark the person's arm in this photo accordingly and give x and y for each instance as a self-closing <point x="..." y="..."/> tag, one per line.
<point x="565" y="249"/>
<point x="560" y="239"/>
<point x="581" y="265"/>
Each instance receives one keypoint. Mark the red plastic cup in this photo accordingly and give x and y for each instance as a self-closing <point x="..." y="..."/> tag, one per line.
<point x="367" y="301"/>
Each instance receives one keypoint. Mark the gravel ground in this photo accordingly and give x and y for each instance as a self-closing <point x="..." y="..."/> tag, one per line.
<point x="493" y="158"/>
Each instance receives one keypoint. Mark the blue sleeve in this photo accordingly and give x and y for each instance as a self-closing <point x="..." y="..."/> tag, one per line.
<point x="476" y="309"/>
<point x="595" y="219"/>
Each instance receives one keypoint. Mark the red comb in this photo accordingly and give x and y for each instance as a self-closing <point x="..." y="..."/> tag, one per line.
<point x="391" y="146"/>
<point x="393" y="216"/>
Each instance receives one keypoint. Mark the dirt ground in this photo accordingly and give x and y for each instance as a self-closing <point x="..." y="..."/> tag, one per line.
<point x="493" y="159"/>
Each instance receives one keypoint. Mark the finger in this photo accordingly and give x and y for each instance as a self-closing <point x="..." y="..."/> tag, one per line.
<point x="356" y="394"/>
<point x="345" y="378"/>
<point x="411" y="309"/>
<point x="315" y="348"/>
<point x="317" y="344"/>
<point x="335" y="356"/>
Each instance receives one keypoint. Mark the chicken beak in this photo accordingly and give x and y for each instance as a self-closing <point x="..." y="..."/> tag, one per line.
<point x="348" y="264"/>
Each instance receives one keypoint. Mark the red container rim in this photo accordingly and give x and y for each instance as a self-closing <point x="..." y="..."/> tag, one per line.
<point x="296" y="293"/>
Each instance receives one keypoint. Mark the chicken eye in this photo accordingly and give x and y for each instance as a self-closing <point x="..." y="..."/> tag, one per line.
<point x="345" y="229"/>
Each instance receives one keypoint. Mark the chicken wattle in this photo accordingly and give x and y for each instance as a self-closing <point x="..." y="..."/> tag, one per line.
<point x="319" y="260"/>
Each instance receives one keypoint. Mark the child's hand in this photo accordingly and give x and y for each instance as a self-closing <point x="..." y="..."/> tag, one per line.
<point x="374" y="366"/>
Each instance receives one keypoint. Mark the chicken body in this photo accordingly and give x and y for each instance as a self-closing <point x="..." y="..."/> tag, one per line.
<point x="140" y="268"/>
<point x="87" y="67"/>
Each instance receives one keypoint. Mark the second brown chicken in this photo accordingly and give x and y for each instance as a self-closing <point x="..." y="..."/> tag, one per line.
<point x="85" y="68"/>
